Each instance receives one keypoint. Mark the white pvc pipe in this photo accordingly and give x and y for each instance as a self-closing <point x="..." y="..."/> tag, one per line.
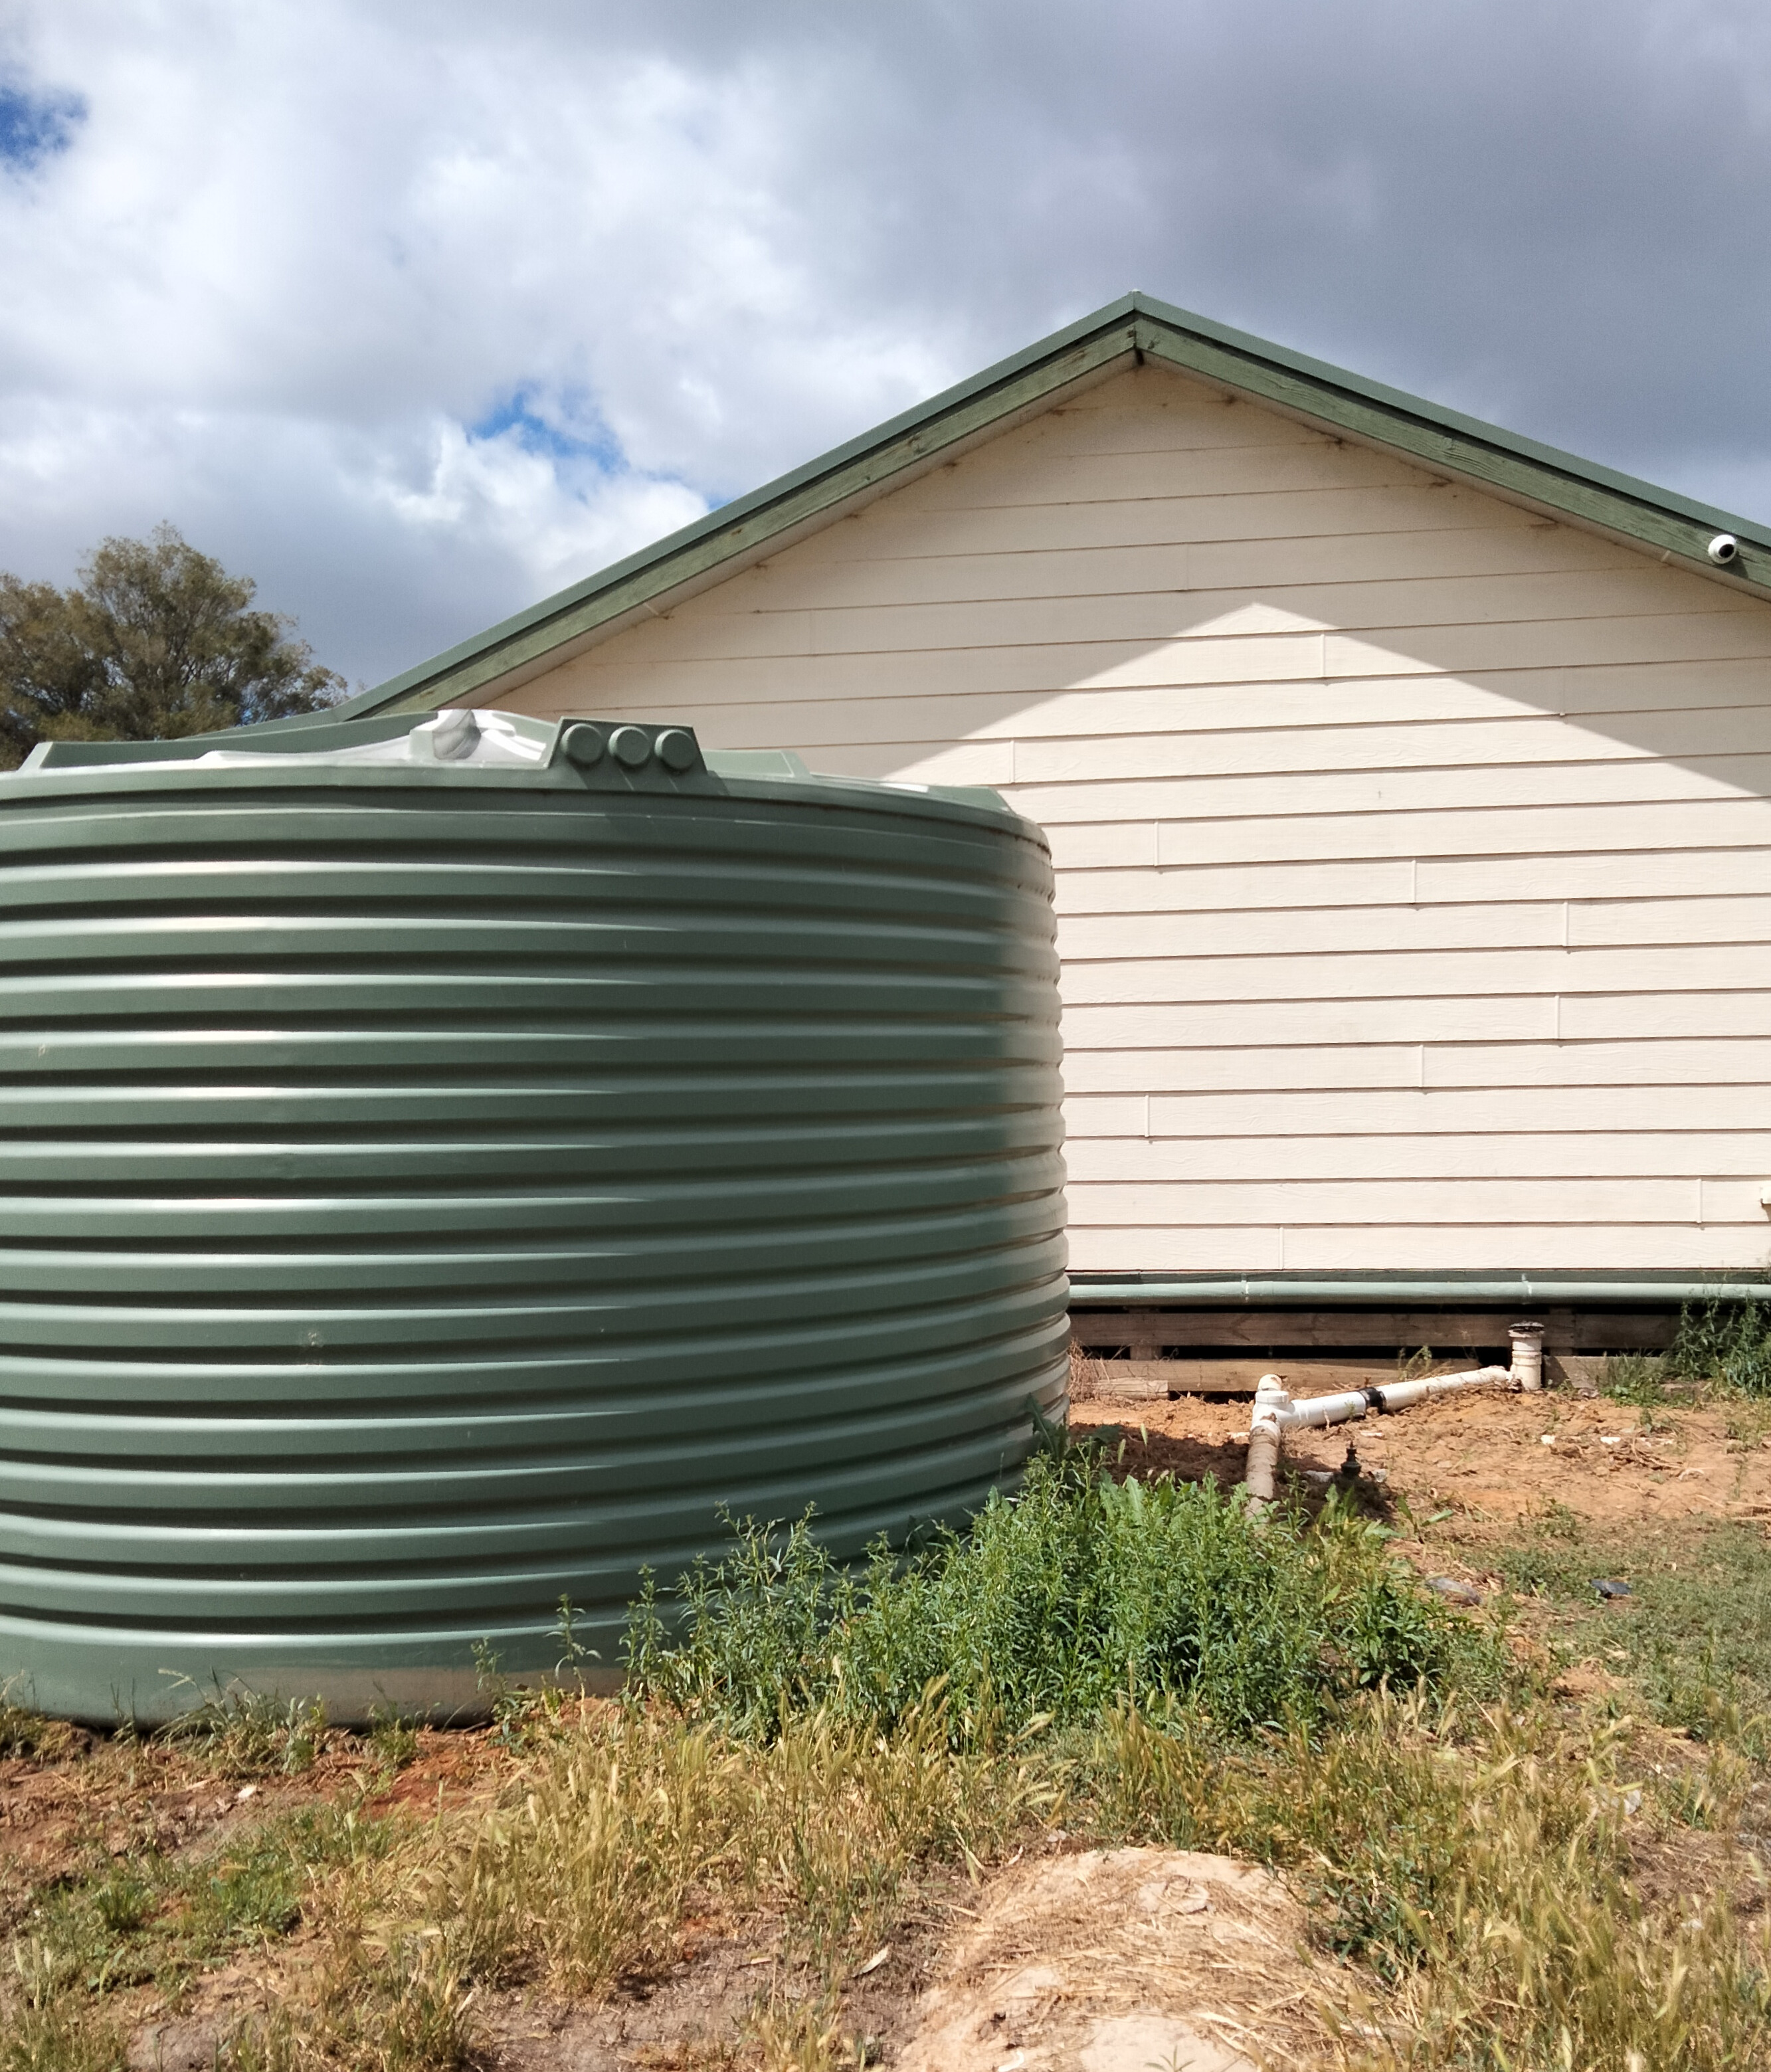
<point x="1393" y="1396"/>
<point x="1275" y="1413"/>
<point x="1266" y="1432"/>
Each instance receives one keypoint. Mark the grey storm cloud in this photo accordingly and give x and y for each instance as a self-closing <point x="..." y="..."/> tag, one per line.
<point x="417" y="313"/>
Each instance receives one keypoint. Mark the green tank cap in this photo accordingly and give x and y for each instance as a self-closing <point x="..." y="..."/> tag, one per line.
<point x="459" y="746"/>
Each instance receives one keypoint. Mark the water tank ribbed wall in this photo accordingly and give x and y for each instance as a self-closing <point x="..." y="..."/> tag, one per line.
<point x="446" y="1166"/>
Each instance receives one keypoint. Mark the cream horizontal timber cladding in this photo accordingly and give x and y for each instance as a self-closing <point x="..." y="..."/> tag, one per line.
<point x="1114" y="1147"/>
<point x="1414" y="849"/>
<point x="1452" y="974"/>
<point x="1461" y="708"/>
<point x="1144" y="1076"/>
<point x="1311" y="800"/>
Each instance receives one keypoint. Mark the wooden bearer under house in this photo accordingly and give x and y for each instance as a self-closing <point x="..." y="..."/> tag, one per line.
<point x="1150" y="1337"/>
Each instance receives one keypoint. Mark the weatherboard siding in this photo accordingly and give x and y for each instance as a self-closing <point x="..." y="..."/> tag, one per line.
<point x="1414" y="850"/>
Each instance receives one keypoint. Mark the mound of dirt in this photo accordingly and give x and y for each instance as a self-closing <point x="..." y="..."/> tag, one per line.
<point x="1118" y="1960"/>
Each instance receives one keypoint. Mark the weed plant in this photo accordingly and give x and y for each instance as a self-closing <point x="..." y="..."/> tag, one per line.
<point x="25" y="1732"/>
<point x="617" y="1821"/>
<point x="62" y="2038"/>
<point x="1725" y="1343"/>
<point x="629" y="1812"/>
<point x="1637" y="1378"/>
<point x="251" y="1733"/>
<point x="1058" y="1603"/>
<point x="394" y="1740"/>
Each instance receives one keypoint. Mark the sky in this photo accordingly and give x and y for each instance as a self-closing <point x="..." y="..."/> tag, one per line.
<point x="416" y="312"/>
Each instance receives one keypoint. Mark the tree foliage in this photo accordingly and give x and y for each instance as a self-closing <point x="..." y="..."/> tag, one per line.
<point x="156" y="641"/>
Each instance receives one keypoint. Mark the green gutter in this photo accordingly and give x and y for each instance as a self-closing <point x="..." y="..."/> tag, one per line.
<point x="1388" y="1290"/>
<point x="1659" y="520"/>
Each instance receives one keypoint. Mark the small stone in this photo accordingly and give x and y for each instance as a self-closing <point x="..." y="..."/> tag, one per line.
<point x="1453" y="1592"/>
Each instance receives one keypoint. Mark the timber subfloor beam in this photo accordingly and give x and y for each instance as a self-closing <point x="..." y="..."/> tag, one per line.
<point x="1153" y="1334"/>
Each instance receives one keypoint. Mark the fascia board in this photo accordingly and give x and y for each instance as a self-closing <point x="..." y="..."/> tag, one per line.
<point x="1523" y="470"/>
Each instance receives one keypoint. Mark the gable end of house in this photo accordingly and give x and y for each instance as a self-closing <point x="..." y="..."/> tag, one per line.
<point x="1674" y="529"/>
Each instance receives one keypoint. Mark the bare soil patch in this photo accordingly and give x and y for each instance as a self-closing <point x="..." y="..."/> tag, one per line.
<point x="1490" y="1453"/>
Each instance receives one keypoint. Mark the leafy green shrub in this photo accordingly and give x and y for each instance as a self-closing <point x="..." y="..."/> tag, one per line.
<point x="1058" y="1603"/>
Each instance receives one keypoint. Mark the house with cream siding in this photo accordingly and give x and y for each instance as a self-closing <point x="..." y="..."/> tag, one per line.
<point x="1406" y="784"/>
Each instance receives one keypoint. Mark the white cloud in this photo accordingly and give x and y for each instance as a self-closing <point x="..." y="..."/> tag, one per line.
<point x="418" y="312"/>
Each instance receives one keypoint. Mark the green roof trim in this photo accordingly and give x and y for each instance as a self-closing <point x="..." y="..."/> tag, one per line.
<point x="1658" y="520"/>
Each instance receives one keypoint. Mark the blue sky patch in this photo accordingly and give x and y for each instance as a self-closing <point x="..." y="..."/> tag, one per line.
<point x="573" y="433"/>
<point x="35" y="125"/>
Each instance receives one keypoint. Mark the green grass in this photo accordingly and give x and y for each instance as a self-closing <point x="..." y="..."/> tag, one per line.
<point x="248" y="1733"/>
<point x="1057" y="1605"/>
<point x="160" y="1919"/>
<point x="62" y="2039"/>
<point x="1694" y="1636"/>
<point x="806" y="1748"/>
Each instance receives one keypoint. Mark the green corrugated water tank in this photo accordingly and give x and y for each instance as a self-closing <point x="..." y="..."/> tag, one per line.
<point x="444" y="1164"/>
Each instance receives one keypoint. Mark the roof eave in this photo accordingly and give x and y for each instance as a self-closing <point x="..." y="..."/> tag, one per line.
<point x="1658" y="521"/>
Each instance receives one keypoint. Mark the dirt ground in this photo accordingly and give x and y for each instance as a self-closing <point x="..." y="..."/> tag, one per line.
<point x="1491" y="1453"/>
<point x="1070" y="1961"/>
